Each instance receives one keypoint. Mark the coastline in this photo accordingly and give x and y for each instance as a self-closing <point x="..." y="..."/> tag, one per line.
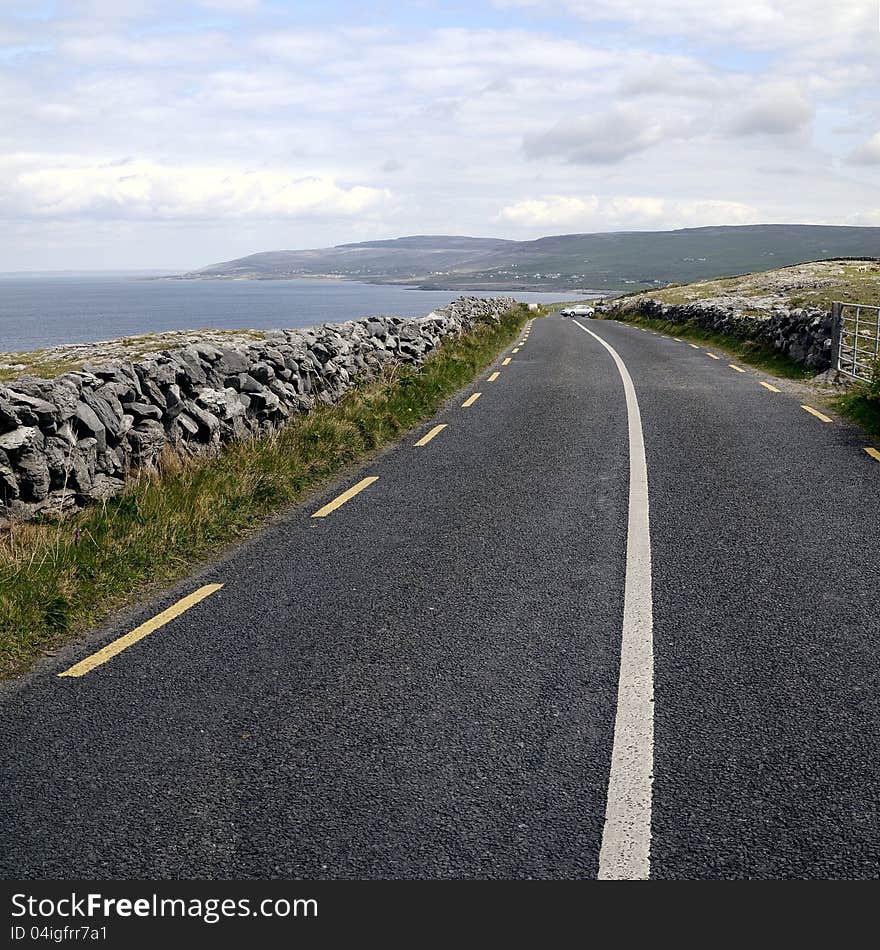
<point x="406" y="284"/>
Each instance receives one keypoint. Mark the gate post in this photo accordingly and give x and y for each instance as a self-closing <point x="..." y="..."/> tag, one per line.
<point x="836" y="333"/>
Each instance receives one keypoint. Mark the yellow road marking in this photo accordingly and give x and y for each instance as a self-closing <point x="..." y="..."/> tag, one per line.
<point x="713" y="356"/>
<point x="873" y="453"/>
<point x="345" y="496"/>
<point x="739" y="369"/>
<point x="425" y="439"/>
<point x="494" y="376"/>
<point x="505" y="362"/>
<point x="677" y="340"/>
<point x="516" y="349"/>
<point x="470" y="400"/>
<point x="144" y="630"/>
<point x="772" y="389"/>
<point x="694" y="345"/>
<point x="819" y="415"/>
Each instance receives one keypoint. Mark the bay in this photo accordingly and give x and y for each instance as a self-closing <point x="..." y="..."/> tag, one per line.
<point x="37" y="311"/>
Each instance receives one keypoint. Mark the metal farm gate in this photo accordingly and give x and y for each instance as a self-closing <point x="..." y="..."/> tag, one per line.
<point x="857" y="338"/>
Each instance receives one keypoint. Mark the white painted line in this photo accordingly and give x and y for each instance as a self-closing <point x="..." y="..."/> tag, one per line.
<point x="625" y="853"/>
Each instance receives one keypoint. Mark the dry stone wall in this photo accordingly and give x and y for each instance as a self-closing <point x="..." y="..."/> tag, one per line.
<point x="803" y="334"/>
<point x="70" y="441"/>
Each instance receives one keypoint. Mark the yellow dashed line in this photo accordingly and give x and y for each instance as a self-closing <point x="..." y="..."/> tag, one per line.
<point x="693" y="346"/>
<point x="470" y="400"/>
<point x="345" y="496"/>
<point x="772" y="389"/>
<point x="425" y="439"/>
<point x="819" y="415"/>
<point x="494" y="376"/>
<point x="144" y="630"/>
<point x="677" y="340"/>
<point x="515" y="349"/>
<point x="713" y="356"/>
<point x="739" y="369"/>
<point x="873" y="453"/>
<point x="505" y="362"/>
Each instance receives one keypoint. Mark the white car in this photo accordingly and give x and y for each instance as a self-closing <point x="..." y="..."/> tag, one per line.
<point x="578" y="311"/>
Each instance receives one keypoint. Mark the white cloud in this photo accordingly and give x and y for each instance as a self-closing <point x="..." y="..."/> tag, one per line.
<point x="624" y="212"/>
<point x="598" y="139"/>
<point x="754" y="24"/>
<point x="676" y="76"/>
<point x="868" y="153"/>
<point x="146" y="50"/>
<point x="865" y="218"/>
<point x="143" y="189"/>
<point x="236" y="110"/>
<point x="300" y="46"/>
<point x="780" y="110"/>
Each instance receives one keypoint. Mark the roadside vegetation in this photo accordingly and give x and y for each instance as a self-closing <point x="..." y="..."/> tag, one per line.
<point x="814" y="285"/>
<point x="58" y="579"/>
<point x="862" y="404"/>
<point x="755" y="354"/>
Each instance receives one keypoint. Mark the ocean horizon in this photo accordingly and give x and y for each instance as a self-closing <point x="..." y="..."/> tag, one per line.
<point x="52" y="308"/>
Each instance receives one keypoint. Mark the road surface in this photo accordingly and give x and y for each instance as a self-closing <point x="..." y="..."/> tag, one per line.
<point x="426" y="680"/>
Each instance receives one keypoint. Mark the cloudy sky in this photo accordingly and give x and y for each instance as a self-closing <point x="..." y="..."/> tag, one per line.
<point x="175" y="133"/>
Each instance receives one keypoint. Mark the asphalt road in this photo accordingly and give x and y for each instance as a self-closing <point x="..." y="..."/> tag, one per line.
<point x="424" y="683"/>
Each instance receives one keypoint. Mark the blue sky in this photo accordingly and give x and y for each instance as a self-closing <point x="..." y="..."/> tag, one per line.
<point x="145" y="133"/>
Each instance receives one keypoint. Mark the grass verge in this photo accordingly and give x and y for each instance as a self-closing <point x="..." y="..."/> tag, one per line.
<point x="59" y="579"/>
<point x="755" y="354"/>
<point x="862" y="405"/>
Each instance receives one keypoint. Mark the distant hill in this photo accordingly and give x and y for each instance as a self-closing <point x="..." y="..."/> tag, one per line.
<point x="399" y="258"/>
<point x="614" y="261"/>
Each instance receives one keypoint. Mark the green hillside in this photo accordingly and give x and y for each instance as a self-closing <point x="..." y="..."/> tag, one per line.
<point x="611" y="262"/>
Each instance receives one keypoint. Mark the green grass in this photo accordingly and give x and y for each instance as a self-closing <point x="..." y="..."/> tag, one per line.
<point x="755" y="354"/>
<point x="862" y="405"/>
<point x="59" y="579"/>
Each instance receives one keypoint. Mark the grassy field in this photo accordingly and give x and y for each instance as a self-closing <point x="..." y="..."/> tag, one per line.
<point x="59" y="579"/>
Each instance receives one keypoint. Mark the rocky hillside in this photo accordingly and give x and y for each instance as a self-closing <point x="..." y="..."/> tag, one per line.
<point x="815" y="286"/>
<point x="789" y="308"/>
